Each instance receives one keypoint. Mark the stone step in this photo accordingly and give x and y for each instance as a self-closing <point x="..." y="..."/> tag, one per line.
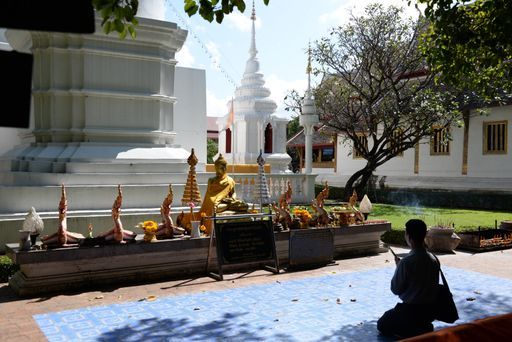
<point x="89" y="178"/>
<point x="16" y="199"/>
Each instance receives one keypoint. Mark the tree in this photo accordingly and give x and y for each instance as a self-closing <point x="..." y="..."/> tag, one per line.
<point x="376" y="90"/>
<point x="118" y="15"/>
<point x="212" y="148"/>
<point x="293" y="127"/>
<point x="210" y="9"/>
<point x="469" y="44"/>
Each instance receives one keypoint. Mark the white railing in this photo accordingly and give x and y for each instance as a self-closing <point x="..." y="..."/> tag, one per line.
<point x="303" y="186"/>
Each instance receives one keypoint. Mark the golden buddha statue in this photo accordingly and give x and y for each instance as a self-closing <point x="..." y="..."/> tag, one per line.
<point x="220" y="194"/>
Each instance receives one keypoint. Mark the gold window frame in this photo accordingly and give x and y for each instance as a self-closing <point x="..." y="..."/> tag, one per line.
<point x="355" y="152"/>
<point x="500" y="132"/>
<point x="396" y="133"/>
<point x="442" y="149"/>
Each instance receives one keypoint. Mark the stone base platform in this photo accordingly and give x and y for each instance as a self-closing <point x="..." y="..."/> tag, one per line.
<point x="65" y="269"/>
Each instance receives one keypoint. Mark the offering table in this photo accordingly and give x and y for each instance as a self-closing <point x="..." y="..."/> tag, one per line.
<point x="63" y="269"/>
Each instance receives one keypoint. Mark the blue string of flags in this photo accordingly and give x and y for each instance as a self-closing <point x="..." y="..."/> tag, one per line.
<point x="203" y="46"/>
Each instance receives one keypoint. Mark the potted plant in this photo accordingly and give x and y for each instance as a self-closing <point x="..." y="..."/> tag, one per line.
<point x="442" y="237"/>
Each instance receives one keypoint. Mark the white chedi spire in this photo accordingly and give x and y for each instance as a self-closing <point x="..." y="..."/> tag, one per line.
<point x="308" y="119"/>
<point x="252" y="98"/>
<point x="308" y="104"/>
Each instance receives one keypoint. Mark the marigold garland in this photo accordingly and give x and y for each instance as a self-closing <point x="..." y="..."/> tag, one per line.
<point x="302" y="214"/>
<point x="150" y="227"/>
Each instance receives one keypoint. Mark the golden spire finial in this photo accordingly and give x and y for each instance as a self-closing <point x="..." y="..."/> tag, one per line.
<point x="253" y="14"/>
<point x="192" y="159"/>
<point x="308" y="69"/>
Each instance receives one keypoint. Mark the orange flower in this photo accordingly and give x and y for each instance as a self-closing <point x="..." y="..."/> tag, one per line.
<point x="150" y="226"/>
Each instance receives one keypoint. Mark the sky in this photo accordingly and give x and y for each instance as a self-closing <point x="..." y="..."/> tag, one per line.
<point x="283" y="30"/>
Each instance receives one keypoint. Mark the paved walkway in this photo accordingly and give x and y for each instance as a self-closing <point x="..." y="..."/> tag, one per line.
<point x="18" y="316"/>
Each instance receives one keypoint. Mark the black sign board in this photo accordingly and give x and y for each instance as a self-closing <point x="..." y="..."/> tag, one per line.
<point x="244" y="241"/>
<point x="311" y="247"/>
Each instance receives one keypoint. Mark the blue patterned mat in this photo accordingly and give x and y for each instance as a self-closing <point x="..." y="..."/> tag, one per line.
<point x="336" y="307"/>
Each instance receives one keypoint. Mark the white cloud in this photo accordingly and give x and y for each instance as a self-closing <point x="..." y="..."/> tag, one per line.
<point x="279" y="88"/>
<point x="341" y="15"/>
<point x="241" y="22"/>
<point x="184" y="57"/>
<point x="154" y="9"/>
<point x="216" y="106"/>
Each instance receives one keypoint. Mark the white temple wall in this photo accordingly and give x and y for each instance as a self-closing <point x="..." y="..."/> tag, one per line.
<point x="346" y="164"/>
<point x="240" y="140"/>
<point x="222" y="141"/>
<point x="9" y="137"/>
<point x="278" y="134"/>
<point x="190" y="112"/>
<point x="480" y="166"/>
<point x="253" y="138"/>
<point x="443" y="165"/>
<point x="489" y="165"/>
<point x="400" y="165"/>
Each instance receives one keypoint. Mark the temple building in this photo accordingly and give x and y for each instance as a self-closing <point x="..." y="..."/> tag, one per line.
<point x="476" y="161"/>
<point x="324" y="149"/>
<point x="250" y="124"/>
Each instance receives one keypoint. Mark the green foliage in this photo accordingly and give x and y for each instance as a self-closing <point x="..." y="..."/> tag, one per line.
<point x="7" y="268"/>
<point x="214" y="9"/>
<point x="293" y="127"/>
<point x="212" y="148"/>
<point x="394" y="237"/>
<point x="118" y="16"/>
<point x="469" y="44"/>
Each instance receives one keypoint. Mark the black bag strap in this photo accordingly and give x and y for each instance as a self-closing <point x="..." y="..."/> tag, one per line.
<point x="445" y="283"/>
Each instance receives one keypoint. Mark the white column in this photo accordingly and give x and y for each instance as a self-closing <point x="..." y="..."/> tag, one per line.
<point x="308" y="121"/>
<point x="308" y="134"/>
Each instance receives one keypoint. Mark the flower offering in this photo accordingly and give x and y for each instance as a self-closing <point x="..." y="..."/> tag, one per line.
<point x="302" y="214"/>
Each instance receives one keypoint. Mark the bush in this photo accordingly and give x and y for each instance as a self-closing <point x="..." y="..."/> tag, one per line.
<point x="7" y="268"/>
<point x="394" y="237"/>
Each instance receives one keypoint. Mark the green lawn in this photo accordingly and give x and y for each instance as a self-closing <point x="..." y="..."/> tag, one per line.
<point x="463" y="219"/>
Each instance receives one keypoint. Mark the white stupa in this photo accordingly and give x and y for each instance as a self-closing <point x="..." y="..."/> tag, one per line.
<point x="106" y="111"/>
<point x="250" y="125"/>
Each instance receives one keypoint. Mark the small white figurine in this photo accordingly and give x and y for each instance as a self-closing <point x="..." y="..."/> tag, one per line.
<point x="365" y="206"/>
<point x="33" y="222"/>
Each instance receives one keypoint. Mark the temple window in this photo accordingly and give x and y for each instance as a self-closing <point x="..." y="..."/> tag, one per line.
<point x="363" y="140"/>
<point x="439" y="143"/>
<point x="394" y="142"/>
<point x="495" y="137"/>
<point x="268" y="139"/>
<point x="327" y="154"/>
<point x="228" y="140"/>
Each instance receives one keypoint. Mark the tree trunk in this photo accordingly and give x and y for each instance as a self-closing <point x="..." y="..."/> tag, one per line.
<point x="358" y="182"/>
